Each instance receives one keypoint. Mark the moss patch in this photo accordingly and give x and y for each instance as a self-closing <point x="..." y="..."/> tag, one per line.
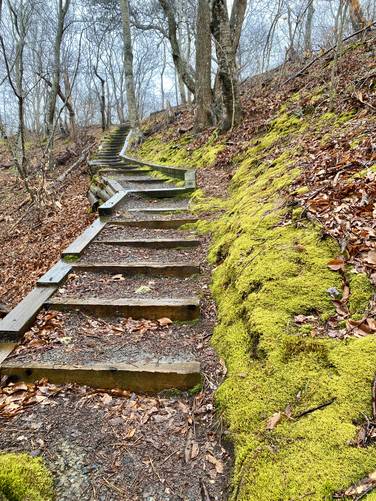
<point x="24" y="478"/>
<point x="157" y="150"/>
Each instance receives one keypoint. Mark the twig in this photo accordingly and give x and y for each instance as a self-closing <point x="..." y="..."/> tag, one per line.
<point x="313" y="409"/>
<point x="205" y="496"/>
<point x="168" y="457"/>
<point x="155" y="471"/>
<point x="374" y="399"/>
<point x="112" y="486"/>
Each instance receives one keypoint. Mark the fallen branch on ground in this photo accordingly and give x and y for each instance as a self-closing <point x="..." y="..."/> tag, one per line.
<point x="82" y="158"/>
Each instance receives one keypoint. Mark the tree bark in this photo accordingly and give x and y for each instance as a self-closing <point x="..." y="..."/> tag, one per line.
<point x="308" y="28"/>
<point x="236" y="21"/>
<point x="102" y="99"/>
<point x="62" y="11"/>
<point x="133" y="114"/>
<point x="204" y="96"/>
<point x="357" y="17"/>
<point x="185" y="73"/>
<point x="227" y="71"/>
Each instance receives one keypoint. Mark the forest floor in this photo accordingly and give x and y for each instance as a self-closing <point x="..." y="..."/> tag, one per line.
<point x="32" y="239"/>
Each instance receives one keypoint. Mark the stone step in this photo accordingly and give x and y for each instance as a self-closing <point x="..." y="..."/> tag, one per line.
<point x="120" y="172"/>
<point x="147" y="377"/>
<point x="137" y="308"/>
<point x="153" y="243"/>
<point x="158" y="224"/>
<point x="181" y="270"/>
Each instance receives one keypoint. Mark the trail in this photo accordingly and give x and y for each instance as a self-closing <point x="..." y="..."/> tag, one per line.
<point x="125" y="315"/>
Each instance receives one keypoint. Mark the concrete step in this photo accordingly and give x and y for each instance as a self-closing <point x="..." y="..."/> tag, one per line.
<point x="152" y="309"/>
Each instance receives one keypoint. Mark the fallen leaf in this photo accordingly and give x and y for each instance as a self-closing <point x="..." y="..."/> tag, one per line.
<point x="273" y="421"/>
<point x="164" y="321"/>
<point x="371" y="257"/>
<point x="219" y="467"/>
<point x="195" y="450"/>
<point x="337" y="264"/>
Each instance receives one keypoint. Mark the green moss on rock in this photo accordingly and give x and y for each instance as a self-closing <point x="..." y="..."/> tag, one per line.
<point x="24" y="478"/>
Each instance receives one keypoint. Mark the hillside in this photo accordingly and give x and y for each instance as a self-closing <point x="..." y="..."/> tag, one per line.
<point x="291" y="193"/>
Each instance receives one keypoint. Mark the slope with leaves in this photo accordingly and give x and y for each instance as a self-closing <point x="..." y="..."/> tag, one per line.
<point x="294" y="249"/>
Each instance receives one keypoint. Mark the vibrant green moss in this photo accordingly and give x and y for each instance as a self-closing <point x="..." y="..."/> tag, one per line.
<point x="268" y="270"/>
<point x="71" y="258"/>
<point x="271" y="265"/>
<point x="157" y="150"/>
<point x="361" y="293"/>
<point x="24" y="478"/>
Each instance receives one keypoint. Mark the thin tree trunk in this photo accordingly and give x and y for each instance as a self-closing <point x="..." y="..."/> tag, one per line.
<point x="67" y="99"/>
<point x="357" y="17"/>
<point x="186" y="74"/>
<point x="102" y="98"/>
<point x="62" y="11"/>
<point x="236" y="21"/>
<point x="204" y="96"/>
<point x="227" y="72"/>
<point x="308" y="29"/>
<point x="133" y="114"/>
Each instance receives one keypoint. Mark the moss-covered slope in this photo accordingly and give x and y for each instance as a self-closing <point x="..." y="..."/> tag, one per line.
<point x="271" y="267"/>
<point x="23" y="478"/>
<point x="294" y="398"/>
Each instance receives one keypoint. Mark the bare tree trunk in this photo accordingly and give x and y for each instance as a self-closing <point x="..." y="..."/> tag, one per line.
<point x="204" y="97"/>
<point x="308" y="28"/>
<point x="185" y="73"/>
<point x="183" y="96"/>
<point x="236" y="21"/>
<point x="62" y="11"/>
<point x="357" y="17"/>
<point x="227" y="71"/>
<point x="69" y="104"/>
<point x="133" y="114"/>
<point x="102" y="98"/>
<point x="162" y="76"/>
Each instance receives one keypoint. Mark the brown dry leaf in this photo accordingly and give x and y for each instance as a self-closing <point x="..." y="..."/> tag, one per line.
<point x="195" y="450"/>
<point x="130" y="433"/>
<point x="336" y="264"/>
<point x="341" y="309"/>
<point x="219" y="467"/>
<point x="273" y="421"/>
<point x="164" y="321"/>
<point x="371" y="257"/>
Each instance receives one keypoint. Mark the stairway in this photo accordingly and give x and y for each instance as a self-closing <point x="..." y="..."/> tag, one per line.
<point x="135" y="266"/>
